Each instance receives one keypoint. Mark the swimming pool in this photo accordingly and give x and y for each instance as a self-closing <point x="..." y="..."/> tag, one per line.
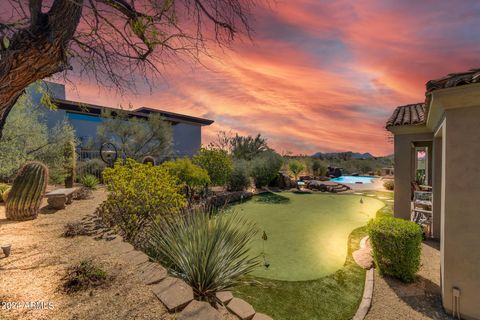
<point x="353" y="179"/>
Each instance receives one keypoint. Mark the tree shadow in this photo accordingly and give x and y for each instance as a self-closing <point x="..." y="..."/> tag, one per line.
<point x="5" y="221"/>
<point x="433" y="243"/>
<point x="272" y="198"/>
<point x="48" y="210"/>
<point x="423" y="296"/>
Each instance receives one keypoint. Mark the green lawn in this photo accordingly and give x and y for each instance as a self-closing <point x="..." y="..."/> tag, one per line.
<point x="307" y="233"/>
<point x="310" y="238"/>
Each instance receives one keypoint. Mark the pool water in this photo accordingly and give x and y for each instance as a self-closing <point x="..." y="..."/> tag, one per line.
<point x="353" y="179"/>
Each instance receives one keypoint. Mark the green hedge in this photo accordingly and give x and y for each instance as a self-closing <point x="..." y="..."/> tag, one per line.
<point x="396" y="245"/>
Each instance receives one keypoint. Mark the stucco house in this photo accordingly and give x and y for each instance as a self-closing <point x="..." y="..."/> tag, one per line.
<point x="84" y="118"/>
<point x="438" y="141"/>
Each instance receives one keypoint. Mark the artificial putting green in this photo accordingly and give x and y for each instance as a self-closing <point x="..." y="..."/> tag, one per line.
<point x="307" y="233"/>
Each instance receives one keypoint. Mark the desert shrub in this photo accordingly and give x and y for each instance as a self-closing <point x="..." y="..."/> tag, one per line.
<point x="90" y="166"/>
<point x="138" y="193"/>
<point x="192" y="176"/>
<point x="396" y="246"/>
<point x="210" y="254"/>
<point x="318" y="169"/>
<point x="82" y="276"/>
<point x="265" y="167"/>
<point x="240" y="178"/>
<point x="3" y="188"/>
<point x="89" y="181"/>
<point x="6" y="193"/>
<point x="389" y="184"/>
<point x="218" y="164"/>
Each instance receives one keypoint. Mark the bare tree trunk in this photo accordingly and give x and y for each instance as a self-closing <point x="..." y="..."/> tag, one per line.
<point x="37" y="52"/>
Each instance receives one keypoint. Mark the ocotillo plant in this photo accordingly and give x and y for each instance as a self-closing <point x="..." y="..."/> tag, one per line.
<point x="71" y="163"/>
<point x="27" y="191"/>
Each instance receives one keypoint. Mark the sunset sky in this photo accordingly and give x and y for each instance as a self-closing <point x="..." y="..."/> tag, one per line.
<point x="318" y="75"/>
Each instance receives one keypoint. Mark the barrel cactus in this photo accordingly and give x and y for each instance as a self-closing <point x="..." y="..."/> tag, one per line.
<point x="71" y="163"/>
<point x="26" y="194"/>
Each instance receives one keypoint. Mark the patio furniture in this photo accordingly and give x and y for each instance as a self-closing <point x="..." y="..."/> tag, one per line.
<point x="57" y="199"/>
<point x="422" y="211"/>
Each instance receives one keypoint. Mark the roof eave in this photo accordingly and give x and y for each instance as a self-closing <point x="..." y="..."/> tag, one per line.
<point x="169" y="116"/>
<point x="409" y="129"/>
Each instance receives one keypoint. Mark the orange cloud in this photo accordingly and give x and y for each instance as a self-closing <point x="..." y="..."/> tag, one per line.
<point x="320" y="75"/>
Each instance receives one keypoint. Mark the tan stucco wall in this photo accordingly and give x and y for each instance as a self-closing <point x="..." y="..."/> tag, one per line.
<point x="404" y="170"/>
<point x="437" y="184"/>
<point x="460" y="234"/>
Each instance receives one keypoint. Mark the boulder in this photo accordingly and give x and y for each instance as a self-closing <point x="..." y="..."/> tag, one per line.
<point x="305" y="178"/>
<point x="317" y="185"/>
<point x="224" y="198"/>
<point x="285" y="182"/>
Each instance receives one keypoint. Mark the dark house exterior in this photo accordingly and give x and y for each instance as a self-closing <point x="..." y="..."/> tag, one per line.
<point x="85" y="118"/>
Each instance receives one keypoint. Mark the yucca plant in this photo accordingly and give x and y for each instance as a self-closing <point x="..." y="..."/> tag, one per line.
<point x="211" y="254"/>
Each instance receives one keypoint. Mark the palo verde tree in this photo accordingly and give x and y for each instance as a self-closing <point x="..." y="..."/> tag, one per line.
<point x="137" y="137"/>
<point x="110" y="40"/>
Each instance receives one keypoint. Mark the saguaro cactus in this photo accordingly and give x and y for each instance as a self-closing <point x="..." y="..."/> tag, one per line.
<point x="71" y="163"/>
<point x="27" y="191"/>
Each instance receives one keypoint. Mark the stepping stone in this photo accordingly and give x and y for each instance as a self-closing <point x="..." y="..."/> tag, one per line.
<point x="363" y="258"/>
<point x="358" y="193"/>
<point x="136" y="257"/>
<point x="224" y="296"/>
<point x="121" y="246"/>
<point x="383" y="198"/>
<point x="152" y="273"/>
<point x="261" y="316"/>
<point x="370" y="195"/>
<point x="174" y="293"/>
<point x="241" y="309"/>
<point x="197" y="310"/>
<point x="390" y="200"/>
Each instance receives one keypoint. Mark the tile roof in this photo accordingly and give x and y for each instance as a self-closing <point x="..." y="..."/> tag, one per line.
<point x="411" y="114"/>
<point x="454" y="80"/>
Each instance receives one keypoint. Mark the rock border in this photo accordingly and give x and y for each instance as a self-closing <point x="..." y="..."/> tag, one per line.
<point x="366" y="302"/>
<point x="176" y="295"/>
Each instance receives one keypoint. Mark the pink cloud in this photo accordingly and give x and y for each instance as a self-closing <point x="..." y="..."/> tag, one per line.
<point x="320" y="75"/>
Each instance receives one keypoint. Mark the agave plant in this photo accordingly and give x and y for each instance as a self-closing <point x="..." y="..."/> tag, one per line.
<point x="89" y="181"/>
<point x="210" y="253"/>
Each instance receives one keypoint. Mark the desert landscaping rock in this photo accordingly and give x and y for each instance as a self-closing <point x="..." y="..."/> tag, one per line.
<point x="136" y="257"/>
<point x="261" y="316"/>
<point x="174" y="293"/>
<point x="152" y="273"/>
<point x="121" y="246"/>
<point x="363" y="258"/>
<point x="224" y="296"/>
<point x="197" y="310"/>
<point x="241" y="309"/>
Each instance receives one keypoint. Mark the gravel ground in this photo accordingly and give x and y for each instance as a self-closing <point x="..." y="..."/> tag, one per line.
<point x="40" y="257"/>
<point x="419" y="300"/>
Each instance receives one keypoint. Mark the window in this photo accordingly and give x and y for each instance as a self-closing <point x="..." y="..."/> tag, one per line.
<point x="84" y="117"/>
